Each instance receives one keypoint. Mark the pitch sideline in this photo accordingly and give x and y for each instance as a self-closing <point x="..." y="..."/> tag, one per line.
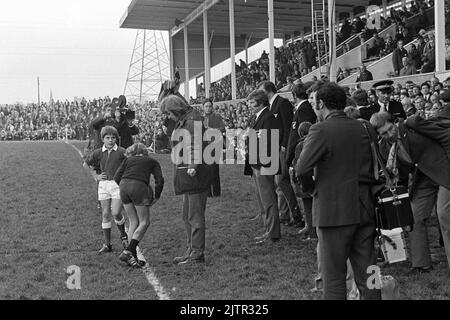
<point x="148" y="271"/>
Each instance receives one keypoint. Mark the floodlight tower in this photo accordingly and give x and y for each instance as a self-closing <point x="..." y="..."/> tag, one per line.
<point x="149" y="67"/>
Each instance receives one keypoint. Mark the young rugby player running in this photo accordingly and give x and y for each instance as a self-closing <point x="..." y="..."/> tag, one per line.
<point x="136" y="193"/>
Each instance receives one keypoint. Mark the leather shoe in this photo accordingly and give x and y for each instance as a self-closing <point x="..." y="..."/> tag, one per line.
<point x="194" y="259"/>
<point x="184" y="257"/>
<point x="264" y="240"/>
<point x="255" y="218"/>
<point x="426" y="269"/>
<point x="264" y="236"/>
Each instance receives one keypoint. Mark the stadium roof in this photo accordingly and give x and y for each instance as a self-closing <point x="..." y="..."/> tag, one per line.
<point x="250" y="15"/>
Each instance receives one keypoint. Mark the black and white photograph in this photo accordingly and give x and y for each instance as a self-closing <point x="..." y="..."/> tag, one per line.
<point x="225" y="155"/>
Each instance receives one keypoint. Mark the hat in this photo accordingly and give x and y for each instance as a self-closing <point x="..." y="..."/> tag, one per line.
<point x="445" y="96"/>
<point x="383" y="85"/>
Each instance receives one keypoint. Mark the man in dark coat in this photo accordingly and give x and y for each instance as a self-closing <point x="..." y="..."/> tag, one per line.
<point x="213" y="120"/>
<point x="265" y="183"/>
<point x="423" y="148"/>
<point x="287" y="201"/>
<point x="384" y="90"/>
<point x="397" y="57"/>
<point x="106" y="119"/>
<point x="364" y="75"/>
<point x="338" y="149"/>
<point x="303" y="113"/>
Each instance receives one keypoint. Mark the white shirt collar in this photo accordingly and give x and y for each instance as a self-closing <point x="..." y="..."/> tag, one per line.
<point x="273" y="99"/>
<point x="299" y="104"/>
<point x="360" y="107"/>
<point x="114" y="148"/>
<point x="259" y="112"/>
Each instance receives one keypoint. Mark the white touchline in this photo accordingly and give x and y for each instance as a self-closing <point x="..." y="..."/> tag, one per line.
<point x="148" y="271"/>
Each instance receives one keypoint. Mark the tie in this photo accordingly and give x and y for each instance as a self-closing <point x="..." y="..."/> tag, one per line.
<point x="106" y="162"/>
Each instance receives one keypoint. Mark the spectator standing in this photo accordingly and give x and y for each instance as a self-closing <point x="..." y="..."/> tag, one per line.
<point x="287" y="201"/>
<point x="194" y="191"/>
<point x="338" y="149"/>
<point x="397" y="57"/>
<point x="214" y="121"/>
<point x="265" y="183"/>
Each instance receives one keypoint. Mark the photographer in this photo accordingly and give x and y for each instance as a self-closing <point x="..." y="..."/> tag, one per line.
<point x="124" y="118"/>
<point x="98" y="123"/>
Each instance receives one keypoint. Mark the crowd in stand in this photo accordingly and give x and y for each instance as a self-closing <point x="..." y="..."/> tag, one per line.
<point x="49" y="121"/>
<point x="420" y="56"/>
<point x="299" y="58"/>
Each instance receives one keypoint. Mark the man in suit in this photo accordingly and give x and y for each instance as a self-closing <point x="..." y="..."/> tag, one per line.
<point x="425" y="90"/>
<point x="408" y="68"/>
<point x="265" y="182"/>
<point x="423" y="150"/>
<point x="338" y="149"/>
<point x="397" y="57"/>
<point x="287" y="201"/>
<point x="384" y="90"/>
<point x="303" y="113"/>
<point x="213" y="120"/>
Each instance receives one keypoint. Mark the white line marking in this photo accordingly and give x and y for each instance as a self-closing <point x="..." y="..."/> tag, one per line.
<point x="148" y="271"/>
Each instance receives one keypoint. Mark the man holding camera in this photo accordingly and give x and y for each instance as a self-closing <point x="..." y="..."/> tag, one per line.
<point x="106" y="119"/>
<point x="125" y="126"/>
<point x="122" y="120"/>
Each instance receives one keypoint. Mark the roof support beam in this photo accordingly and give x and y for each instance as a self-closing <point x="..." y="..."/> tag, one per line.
<point x="186" y="65"/>
<point x="206" y="54"/>
<point x="271" y="42"/>
<point x="232" y="51"/>
<point x="193" y="16"/>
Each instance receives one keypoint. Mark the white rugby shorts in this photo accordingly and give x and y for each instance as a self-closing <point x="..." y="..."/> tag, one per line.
<point x="108" y="189"/>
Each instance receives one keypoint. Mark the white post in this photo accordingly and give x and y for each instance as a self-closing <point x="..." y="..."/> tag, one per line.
<point x="232" y="51"/>
<point x="332" y="39"/>
<point x="384" y="4"/>
<point x="186" y="65"/>
<point x="312" y="22"/>
<point x="206" y="54"/>
<point x="439" y="41"/>
<point x="172" y="67"/>
<point x="271" y="42"/>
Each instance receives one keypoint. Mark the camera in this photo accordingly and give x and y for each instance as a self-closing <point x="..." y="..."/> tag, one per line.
<point x="128" y="113"/>
<point x="121" y="104"/>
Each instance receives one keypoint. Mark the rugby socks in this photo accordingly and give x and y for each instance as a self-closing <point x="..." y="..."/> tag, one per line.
<point x="121" y="226"/>
<point x="107" y="232"/>
<point x="132" y="247"/>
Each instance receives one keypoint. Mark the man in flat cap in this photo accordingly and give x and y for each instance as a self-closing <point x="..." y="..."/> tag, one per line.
<point x="384" y="90"/>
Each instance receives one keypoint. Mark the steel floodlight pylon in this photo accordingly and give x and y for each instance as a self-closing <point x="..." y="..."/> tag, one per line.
<point x="149" y="67"/>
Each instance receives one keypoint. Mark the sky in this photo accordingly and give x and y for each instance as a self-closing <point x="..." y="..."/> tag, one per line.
<point x="75" y="47"/>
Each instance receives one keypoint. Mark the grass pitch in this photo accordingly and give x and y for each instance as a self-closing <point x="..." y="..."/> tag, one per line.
<point x="49" y="221"/>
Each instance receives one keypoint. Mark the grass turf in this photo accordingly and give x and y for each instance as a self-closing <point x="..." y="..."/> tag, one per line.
<point x="50" y="221"/>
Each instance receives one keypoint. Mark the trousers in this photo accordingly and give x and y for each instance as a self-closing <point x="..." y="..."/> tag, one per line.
<point x="266" y="195"/>
<point x="194" y="206"/>
<point x="287" y="201"/>
<point x="425" y="196"/>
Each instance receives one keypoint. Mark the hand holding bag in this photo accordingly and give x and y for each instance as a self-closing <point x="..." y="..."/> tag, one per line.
<point x="392" y="203"/>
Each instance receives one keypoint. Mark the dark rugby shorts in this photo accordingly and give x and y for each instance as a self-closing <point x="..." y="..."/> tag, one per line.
<point x="135" y="192"/>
